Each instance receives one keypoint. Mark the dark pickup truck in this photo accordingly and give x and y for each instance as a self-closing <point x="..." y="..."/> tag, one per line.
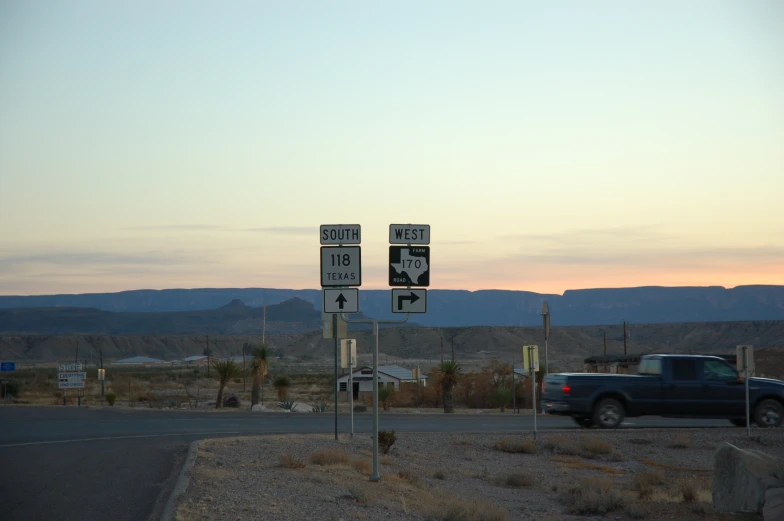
<point x="686" y="386"/>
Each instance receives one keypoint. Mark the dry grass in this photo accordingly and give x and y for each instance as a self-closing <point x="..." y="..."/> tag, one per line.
<point x="329" y="457"/>
<point x="576" y="463"/>
<point x="653" y="463"/>
<point x="592" y="496"/>
<point x="585" y="447"/>
<point x="682" y="441"/>
<point x="516" y="446"/>
<point x="409" y="476"/>
<point x="645" y="482"/>
<point x="637" y="511"/>
<point x="688" y="489"/>
<point x="288" y="461"/>
<point x="362" y="465"/>
<point x="461" y="441"/>
<point x="476" y="510"/>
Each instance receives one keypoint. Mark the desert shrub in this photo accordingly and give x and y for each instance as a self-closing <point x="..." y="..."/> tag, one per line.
<point x="288" y="461"/>
<point x="516" y="446"/>
<point x="477" y="510"/>
<point x="636" y="511"/>
<point x="584" y="447"/>
<point x="439" y="474"/>
<point x="111" y="397"/>
<point x="516" y="480"/>
<point x="409" y="476"/>
<point x="591" y="497"/>
<point x="592" y="447"/>
<point x="386" y="439"/>
<point x="357" y="494"/>
<point x="682" y="441"/>
<point x="645" y="482"/>
<point x="502" y="397"/>
<point x="12" y="388"/>
<point x="688" y="490"/>
<point x="329" y="457"/>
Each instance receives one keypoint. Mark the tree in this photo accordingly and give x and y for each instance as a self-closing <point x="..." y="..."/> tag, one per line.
<point x="502" y="396"/>
<point x="282" y="384"/>
<point x="385" y="396"/>
<point x="258" y="370"/>
<point x="450" y="374"/>
<point x="226" y="370"/>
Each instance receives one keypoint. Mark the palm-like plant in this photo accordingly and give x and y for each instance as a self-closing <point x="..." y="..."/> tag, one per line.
<point x="226" y="369"/>
<point x="282" y="384"/>
<point x="258" y="369"/>
<point x="502" y="396"/>
<point x="449" y="372"/>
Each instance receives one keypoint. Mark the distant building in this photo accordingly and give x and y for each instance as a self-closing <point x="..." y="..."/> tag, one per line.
<point x="388" y="376"/>
<point x="195" y="360"/>
<point x="142" y="361"/>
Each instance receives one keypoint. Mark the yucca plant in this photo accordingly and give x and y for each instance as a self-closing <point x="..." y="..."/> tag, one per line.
<point x="258" y="367"/>
<point x="501" y="397"/>
<point x="449" y="372"/>
<point x="226" y="370"/>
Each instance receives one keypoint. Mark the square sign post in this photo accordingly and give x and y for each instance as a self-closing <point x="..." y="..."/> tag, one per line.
<point x="341" y="268"/>
<point x="531" y="364"/>
<point x="745" y="363"/>
<point x="348" y="358"/>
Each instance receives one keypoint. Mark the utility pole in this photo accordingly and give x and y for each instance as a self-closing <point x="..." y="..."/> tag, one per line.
<point x="208" y="355"/>
<point x="624" y="337"/>
<point x="453" y="347"/>
<point x="103" y="388"/>
<point x="243" y="367"/>
<point x="264" y="326"/>
<point x="442" y="350"/>
<point x="605" y="342"/>
<point x="77" y="351"/>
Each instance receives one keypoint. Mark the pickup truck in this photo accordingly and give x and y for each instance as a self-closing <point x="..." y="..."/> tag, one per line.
<point x="685" y="386"/>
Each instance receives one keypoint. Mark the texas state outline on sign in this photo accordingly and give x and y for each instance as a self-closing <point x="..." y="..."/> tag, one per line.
<point x="413" y="266"/>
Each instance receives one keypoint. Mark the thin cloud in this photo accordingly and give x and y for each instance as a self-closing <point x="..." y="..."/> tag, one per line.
<point x="590" y="234"/>
<point x="179" y="227"/>
<point x="95" y="258"/>
<point x="286" y="230"/>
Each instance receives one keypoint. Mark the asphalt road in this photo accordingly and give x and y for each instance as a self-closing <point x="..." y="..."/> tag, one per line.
<point x="70" y="463"/>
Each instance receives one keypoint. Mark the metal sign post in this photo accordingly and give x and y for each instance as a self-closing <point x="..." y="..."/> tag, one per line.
<point x="546" y="319"/>
<point x="375" y="476"/>
<point x="533" y="385"/>
<point x="351" y="386"/>
<point x="744" y="360"/>
<point x="746" y="371"/>
<point x="336" y="340"/>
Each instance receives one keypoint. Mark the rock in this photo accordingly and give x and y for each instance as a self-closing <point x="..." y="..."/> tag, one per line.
<point x="260" y="408"/>
<point x="774" y="505"/>
<point x="301" y="407"/>
<point x="741" y="479"/>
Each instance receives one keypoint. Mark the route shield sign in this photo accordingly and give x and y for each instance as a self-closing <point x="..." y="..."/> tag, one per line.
<point x="409" y="300"/>
<point x="345" y="300"/>
<point x="409" y="266"/>
<point x="341" y="266"/>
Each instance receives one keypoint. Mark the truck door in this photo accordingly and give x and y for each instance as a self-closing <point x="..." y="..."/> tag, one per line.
<point x="723" y="395"/>
<point x="683" y="392"/>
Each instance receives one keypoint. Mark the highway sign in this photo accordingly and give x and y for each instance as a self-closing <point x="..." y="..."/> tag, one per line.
<point x="326" y="321"/>
<point x="409" y="234"/>
<point x="409" y="300"/>
<point x="344" y="300"/>
<point x="73" y="366"/>
<point x="340" y="234"/>
<point x="341" y="266"/>
<point x="7" y="367"/>
<point x="71" y="380"/>
<point x="409" y="266"/>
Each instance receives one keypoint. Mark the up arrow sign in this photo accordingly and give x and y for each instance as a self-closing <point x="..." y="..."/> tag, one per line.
<point x="340" y="300"/>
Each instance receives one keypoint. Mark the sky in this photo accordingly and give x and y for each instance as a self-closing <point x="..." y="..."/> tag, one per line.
<point x="549" y="145"/>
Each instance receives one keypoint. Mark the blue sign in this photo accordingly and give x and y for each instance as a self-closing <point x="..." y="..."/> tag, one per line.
<point x="7" y="367"/>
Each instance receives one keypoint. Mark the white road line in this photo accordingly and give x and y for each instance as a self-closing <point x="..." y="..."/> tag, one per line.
<point x="115" y="438"/>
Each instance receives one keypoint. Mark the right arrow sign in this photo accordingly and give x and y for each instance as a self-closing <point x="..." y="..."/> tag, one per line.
<point x="409" y="301"/>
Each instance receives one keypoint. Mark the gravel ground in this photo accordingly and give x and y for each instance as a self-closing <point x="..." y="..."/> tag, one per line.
<point x="452" y="477"/>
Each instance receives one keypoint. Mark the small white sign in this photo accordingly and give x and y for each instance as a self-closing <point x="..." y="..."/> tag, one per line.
<point x="344" y="300"/>
<point x="341" y="266"/>
<point x="340" y="234"/>
<point x="409" y="301"/>
<point x="345" y="352"/>
<point x="409" y="234"/>
<point x="71" y="380"/>
<point x="73" y="366"/>
<point x="740" y="362"/>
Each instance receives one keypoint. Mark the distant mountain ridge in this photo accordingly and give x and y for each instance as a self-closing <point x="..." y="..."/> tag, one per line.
<point x="459" y="308"/>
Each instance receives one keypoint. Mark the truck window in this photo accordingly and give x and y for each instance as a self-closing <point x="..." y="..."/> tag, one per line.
<point x="650" y="367"/>
<point x="715" y="370"/>
<point x="684" y="369"/>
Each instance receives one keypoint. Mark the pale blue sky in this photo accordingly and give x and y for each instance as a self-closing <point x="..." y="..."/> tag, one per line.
<point x="550" y="146"/>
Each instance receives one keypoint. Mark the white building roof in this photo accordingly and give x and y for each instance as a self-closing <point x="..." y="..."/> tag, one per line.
<point x="140" y="360"/>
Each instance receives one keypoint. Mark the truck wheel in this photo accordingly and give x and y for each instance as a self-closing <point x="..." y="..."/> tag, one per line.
<point x="585" y="422"/>
<point x="608" y="413"/>
<point x="768" y="413"/>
